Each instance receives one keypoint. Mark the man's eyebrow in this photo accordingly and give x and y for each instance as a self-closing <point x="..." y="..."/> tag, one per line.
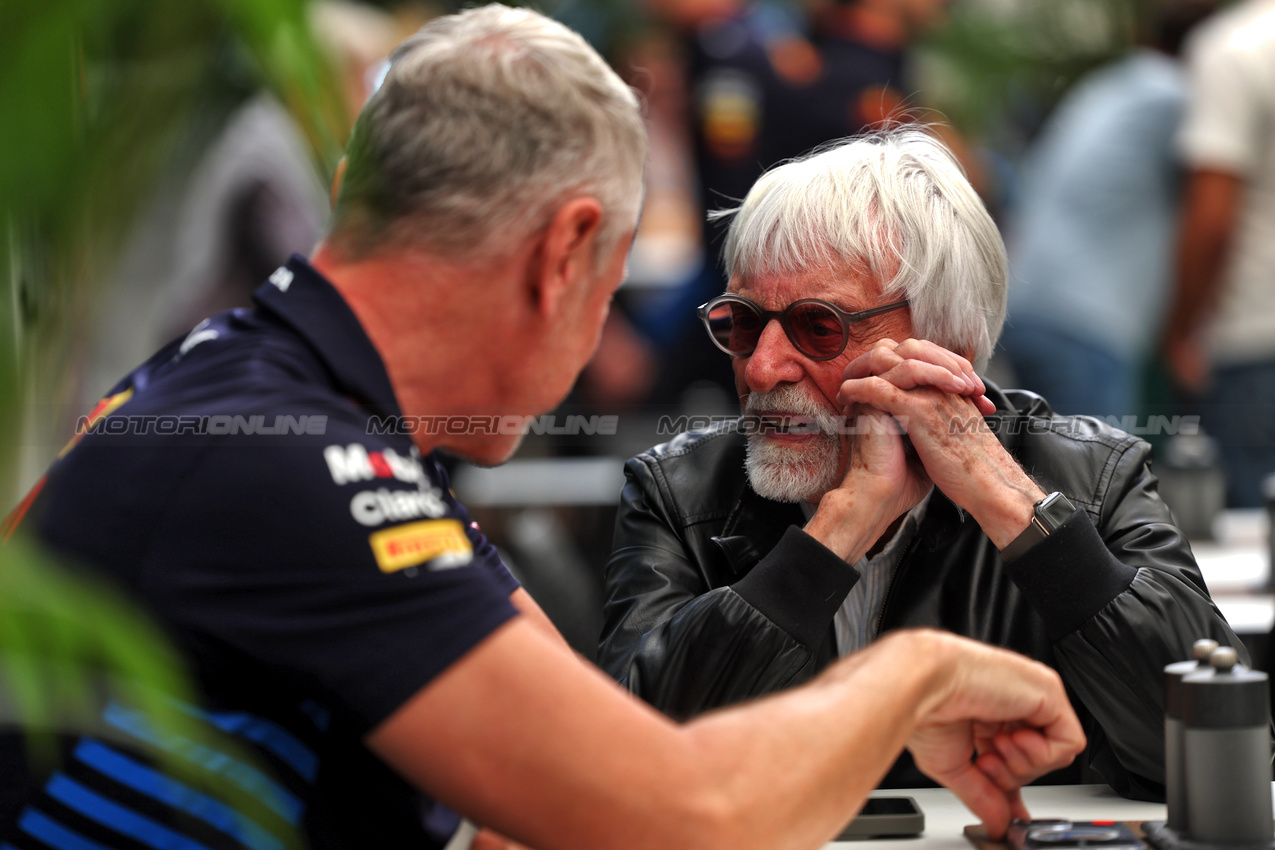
<point x="841" y="304"/>
<point x="838" y="302"/>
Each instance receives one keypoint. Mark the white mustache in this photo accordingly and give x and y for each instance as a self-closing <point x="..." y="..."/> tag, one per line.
<point x="792" y="399"/>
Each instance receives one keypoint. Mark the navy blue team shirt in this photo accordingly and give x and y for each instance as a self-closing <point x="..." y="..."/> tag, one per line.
<point x="312" y="566"/>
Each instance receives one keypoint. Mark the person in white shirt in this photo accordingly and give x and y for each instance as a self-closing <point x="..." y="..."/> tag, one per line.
<point x="1220" y="337"/>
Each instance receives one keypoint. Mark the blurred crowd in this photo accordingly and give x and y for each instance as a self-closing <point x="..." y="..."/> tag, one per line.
<point x="1137" y="197"/>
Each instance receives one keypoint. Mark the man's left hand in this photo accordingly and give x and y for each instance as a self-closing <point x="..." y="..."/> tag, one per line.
<point x="938" y="401"/>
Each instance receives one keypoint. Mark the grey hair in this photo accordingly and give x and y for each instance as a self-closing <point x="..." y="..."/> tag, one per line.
<point x="486" y="122"/>
<point x="896" y="205"/>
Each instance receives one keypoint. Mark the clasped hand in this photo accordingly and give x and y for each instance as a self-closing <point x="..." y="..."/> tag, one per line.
<point x="919" y="389"/>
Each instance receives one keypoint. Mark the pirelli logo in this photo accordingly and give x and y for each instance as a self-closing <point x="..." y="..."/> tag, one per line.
<point x="441" y="543"/>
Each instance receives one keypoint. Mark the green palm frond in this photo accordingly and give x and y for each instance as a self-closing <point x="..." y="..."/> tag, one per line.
<point x="95" y="97"/>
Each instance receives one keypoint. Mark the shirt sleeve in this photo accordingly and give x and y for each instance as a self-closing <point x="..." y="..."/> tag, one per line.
<point x="1222" y="126"/>
<point x="345" y="567"/>
<point x="485" y="554"/>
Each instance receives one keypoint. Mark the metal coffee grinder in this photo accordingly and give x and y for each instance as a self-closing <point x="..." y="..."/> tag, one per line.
<point x="1217" y="755"/>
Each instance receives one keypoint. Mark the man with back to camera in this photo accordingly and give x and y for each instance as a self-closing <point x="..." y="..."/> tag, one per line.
<point x="341" y="613"/>
<point x="869" y="278"/>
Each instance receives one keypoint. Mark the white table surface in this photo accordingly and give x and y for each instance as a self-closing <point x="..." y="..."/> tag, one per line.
<point x="946" y="817"/>
<point x="1235" y="565"/>
<point x="1236" y="560"/>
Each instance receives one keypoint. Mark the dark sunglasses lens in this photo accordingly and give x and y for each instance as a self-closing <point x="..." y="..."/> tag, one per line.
<point x="816" y="331"/>
<point x="734" y="326"/>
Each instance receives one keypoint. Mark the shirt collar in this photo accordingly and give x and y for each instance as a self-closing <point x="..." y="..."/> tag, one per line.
<point x="893" y="549"/>
<point x="306" y="302"/>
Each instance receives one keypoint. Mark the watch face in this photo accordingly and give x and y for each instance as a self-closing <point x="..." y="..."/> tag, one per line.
<point x="1054" y="510"/>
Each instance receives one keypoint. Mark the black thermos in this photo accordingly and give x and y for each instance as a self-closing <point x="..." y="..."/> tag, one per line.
<point x="1225" y="716"/>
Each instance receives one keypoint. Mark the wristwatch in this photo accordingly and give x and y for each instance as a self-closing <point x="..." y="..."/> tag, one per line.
<point x="1047" y="514"/>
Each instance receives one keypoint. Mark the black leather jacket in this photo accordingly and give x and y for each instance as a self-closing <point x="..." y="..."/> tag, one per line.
<point x="715" y="595"/>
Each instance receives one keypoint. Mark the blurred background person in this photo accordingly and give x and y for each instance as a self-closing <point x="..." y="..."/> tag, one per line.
<point x="1091" y="240"/>
<point x="255" y="197"/>
<point x="233" y="206"/>
<point x="1220" y="341"/>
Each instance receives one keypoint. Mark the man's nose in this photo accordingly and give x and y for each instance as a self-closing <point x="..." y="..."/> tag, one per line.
<point x="774" y="361"/>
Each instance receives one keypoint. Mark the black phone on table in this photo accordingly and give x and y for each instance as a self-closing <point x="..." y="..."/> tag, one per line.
<point x="885" y="816"/>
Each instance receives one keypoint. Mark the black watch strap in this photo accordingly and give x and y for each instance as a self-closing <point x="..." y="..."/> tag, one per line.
<point x="1049" y="513"/>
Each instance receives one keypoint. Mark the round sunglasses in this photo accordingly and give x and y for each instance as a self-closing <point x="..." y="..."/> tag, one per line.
<point x="816" y="328"/>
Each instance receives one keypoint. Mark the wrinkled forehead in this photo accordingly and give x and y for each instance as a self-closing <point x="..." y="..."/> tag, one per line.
<point x="848" y="288"/>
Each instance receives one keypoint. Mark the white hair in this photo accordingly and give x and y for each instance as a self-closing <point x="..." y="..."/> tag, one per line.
<point x="486" y="122"/>
<point x="897" y="205"/>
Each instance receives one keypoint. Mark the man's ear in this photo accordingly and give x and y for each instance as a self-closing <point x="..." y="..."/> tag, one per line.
<point x="566" y="254"/>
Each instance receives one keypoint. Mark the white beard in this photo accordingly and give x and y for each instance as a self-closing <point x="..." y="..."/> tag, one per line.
<point x="785" y="473"/>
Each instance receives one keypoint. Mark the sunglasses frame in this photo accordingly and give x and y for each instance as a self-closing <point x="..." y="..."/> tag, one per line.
<point x="845" y="317"/>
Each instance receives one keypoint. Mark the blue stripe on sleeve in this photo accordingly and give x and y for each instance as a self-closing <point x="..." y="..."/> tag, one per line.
<point x="273" y="738"/>
<point x="95" y="807"/>
<point x="43" y="828"/>
<point x="152" y="783"/>
<point x="279" y="799"/>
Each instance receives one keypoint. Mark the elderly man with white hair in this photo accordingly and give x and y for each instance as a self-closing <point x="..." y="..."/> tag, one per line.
<point x="875" y="482"/>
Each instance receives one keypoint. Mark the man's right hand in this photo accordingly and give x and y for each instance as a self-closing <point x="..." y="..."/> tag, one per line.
<point x="1009" y="711"/>
<point x="881" y="483"/>
<point x="883" y="478"/>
